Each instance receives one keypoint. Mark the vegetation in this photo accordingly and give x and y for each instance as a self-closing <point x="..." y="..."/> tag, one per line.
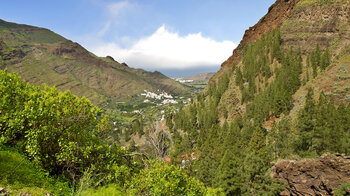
<point x="343" y="190"/>
<point x="164" y="179"/>
<point x="54" y="142"/>
<point x="307" y="3"/>
<point x="68" y="66"/>
<point x="18" y="173"/>
<point x="235" y="156"/>
<point x="63" y="136"/>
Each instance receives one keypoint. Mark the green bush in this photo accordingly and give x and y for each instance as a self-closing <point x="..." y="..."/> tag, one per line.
<point x="343" y="190"/>
<point x="164" y="179"/>
<point x="60" y="131"/>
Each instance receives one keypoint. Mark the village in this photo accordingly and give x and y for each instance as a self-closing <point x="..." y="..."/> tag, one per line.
<point x="149" y="105"/>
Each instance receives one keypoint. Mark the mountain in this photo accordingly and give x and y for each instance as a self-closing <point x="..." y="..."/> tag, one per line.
<point x="42" y="56"/>
<point x="204" y="77"/>
<point x="283" y="94"/>
<point x="303" y="24"/>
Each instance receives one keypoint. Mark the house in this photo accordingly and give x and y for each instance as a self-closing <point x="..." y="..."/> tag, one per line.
<point x="192" y="156"/>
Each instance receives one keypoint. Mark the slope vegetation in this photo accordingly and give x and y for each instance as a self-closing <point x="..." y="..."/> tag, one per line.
<point x="284" y="93"/>
<point x="42" y="56"/>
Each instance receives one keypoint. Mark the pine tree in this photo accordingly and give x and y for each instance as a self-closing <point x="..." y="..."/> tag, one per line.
<point x="325" y="59"/>
<point x="306" y="123"/>
<point x="257" y="144"/>
<point x="228" y="176"/>
<point x="239" y="78"/>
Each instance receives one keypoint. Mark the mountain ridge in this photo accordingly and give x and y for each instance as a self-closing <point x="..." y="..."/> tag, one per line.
<point x="205" y="76"/>
<point x="42" y="56"/>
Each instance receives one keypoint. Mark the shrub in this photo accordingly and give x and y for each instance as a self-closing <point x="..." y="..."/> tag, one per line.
<point x="61" y="132"/>
<point x="164" y="179"/>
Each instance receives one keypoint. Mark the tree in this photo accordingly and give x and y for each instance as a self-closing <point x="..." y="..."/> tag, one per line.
<point x="239" y="78"/>
<point x="228" y="175"/>
<point x="306" y="123"/>
<point x="257" y="145"/>
<point x="158" y="141"/>
<point x="325" y="59"/>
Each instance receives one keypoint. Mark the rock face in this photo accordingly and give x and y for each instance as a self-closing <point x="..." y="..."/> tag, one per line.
<point x="319" y="176"/>
<point x="326" y="26"/>
<point x="276" y="15"/>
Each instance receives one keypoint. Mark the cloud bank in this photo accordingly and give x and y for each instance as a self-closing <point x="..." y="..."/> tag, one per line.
<point x="164" y="49"/>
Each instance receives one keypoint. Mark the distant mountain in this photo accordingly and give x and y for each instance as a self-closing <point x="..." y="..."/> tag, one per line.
<point x="42" y="56"/>
<point x="200" y="77"/>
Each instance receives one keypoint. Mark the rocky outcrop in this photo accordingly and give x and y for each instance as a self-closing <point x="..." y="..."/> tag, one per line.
<point x="275" y="17"/>
<point x="319" y="176"/>
<point x="325" y="25"/>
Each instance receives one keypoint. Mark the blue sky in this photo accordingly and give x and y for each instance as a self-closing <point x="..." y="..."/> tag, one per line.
<point x="163" y="35"/>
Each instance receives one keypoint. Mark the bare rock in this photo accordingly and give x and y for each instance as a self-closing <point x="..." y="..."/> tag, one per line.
<point x="319" y="176"/>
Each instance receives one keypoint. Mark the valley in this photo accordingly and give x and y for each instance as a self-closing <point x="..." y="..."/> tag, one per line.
<point x="274" y="120"/>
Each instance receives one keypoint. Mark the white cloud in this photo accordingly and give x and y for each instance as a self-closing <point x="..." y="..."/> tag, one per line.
<point x="105" y="28"/>
<point x="165" y="49"/>
<point x="117" y="8"/>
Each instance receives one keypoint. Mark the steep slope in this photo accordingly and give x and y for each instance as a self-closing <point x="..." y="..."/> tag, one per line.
<point x="42" y="56"/>
<point x="277" y="14"/>
<point x="284" y="93"/>
<point x="303" y="24"/>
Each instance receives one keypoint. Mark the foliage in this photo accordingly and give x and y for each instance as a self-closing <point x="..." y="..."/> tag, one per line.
<point x="164" y="179"/>
<point x="322" y="127"/>
<point x="110" y="190"/>
<point x="235" y="156"/>
<point x="343" y="190"/>
<point x="307" y="3"/>
<point x="60" y="132"/>
<point x="277" y="97"/>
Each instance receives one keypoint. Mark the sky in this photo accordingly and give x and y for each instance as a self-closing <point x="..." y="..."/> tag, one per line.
<point x="177" y="37"/>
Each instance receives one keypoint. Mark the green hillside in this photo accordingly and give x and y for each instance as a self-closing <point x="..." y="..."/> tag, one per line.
<point x="42" y="56"/>
<point x="283" y="94"/>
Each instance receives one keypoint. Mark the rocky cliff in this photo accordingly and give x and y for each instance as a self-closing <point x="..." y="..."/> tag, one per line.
<point x="319" y="176"/>
<point x="275" y="17"/>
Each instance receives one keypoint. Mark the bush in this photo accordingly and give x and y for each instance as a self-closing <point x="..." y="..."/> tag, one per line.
<point x="60" y="131"/>
<point x="164" y="179"/>
<point x="343" y="190"/>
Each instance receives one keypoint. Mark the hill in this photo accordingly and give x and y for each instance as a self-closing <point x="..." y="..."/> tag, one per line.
<point x="204" y="77"/>
<point x="42" y="56"/>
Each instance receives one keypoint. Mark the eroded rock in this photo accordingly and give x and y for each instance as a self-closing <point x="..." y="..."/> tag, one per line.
<point x="319" y="176"/>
